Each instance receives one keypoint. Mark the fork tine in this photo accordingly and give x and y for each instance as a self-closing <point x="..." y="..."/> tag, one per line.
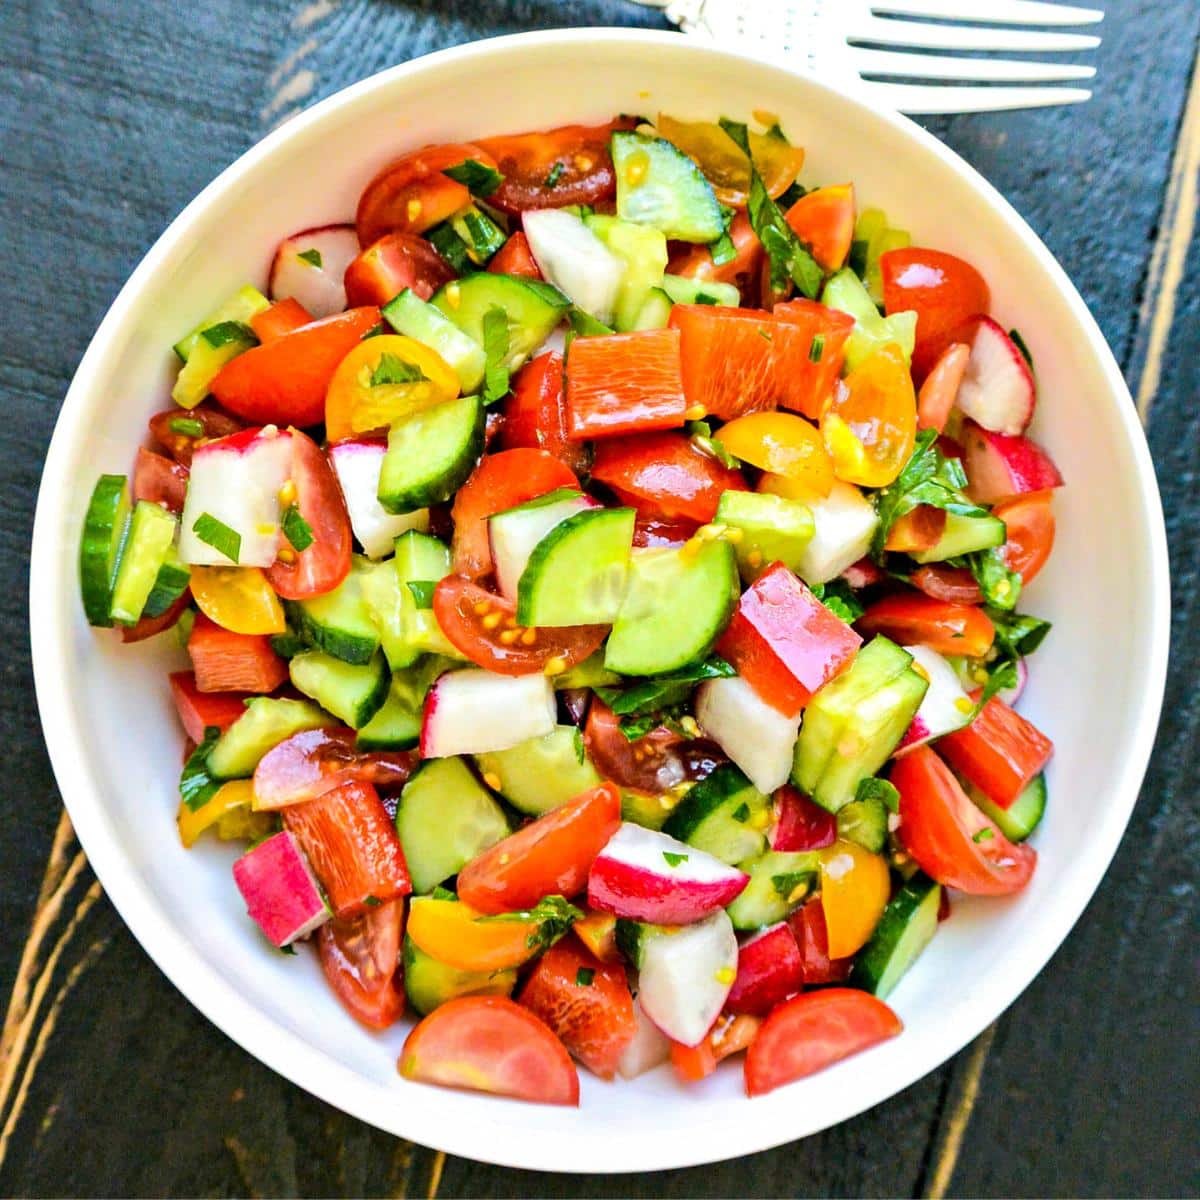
<point x="946" y="66"/>
<point x="1012" y="12"/>
<point x="932" y="98"/>
<point x="964" y="37"/>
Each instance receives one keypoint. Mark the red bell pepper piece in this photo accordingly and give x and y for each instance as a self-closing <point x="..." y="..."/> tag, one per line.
<point x="535" y="415"/>
<point x="784" y="642"/>
<point x="515" y="258"/>
<point x="199" y="710"/>
<point x="224" y="661"/>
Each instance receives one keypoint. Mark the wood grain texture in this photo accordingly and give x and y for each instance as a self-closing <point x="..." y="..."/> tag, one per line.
<point x="115" y="114"/>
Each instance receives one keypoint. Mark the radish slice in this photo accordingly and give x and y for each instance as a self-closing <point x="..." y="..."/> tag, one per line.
<point x="281" y="892"/>
<point x="997" y="391"/>
<point x="476" y="711"/>
<point x="514" y="534"/>
<point x="756" y="735"/>
<point x="843" y="526"/>
<point x="236" y="481"/>
<point x="316" y="281"/>
<point x="575" y="260"/>
<point x="946" y="706"/>
<point x="357" y="465"/>
<point x="648" y="876"/>
<point x="769" y="969"/>
<point x="685" y="976"/>
<point x="649" y="1048"/>
<point x="1000" y="467"/>
<point x="1011" y="695"/>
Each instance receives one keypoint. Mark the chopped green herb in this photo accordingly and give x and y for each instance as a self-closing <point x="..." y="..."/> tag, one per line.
<point x="555" y="174"/>
<point x="742" y="812"/>
<point x="196" y="786"/>
<point x="764" y="334"/>
<point x="186" y="426"/>
<point x="391" y="368"/>
<point x="1017" y="634"/>
<point x="817" y="348"/>
<point x="422" y="591"/>
<point x="484" y="236"/>
<point x="655" y="696"/>
<point x="1001" y="587"/>
<point x="495" y="348"/>
<point x="580" y="749"/>
<point x="705" y="298"/>
<point x="375" y="331"/>
<point x="311" y="256"/>
<point x="584" y="976"/>
<point x="218" y="535"/>
<point x="296" y="529"/>
<point x="984" y="835"/>
<point x="838" y="596"/>
<point x="442" y="893"/>
<point x="673" y="859"/>
<point x="372" y="901"/>
<point x="553" y="915"/>
<point x="722" y="249"/>
<point x="1019" y="342"/>
<point x="788" y="882"/>
<point x="228" y="331"/>
<point x="288" y="949"/>
<point x="707" y="443"/>
<point x="879" y="789"/>
<point x="478" y="178"/>
<point x="1002" y="676"/>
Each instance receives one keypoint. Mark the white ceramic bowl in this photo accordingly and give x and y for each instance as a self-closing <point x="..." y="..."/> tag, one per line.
<point x="113" y="738"/>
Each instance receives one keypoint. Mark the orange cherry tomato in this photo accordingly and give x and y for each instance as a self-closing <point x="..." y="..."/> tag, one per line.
<point x="230" y="798"/>
<point x="870" y="423"/>
<point x="461" y="936"/>
<point x="855" y="888"/>
<point x="948" y="628"/>
<point x="824" y="221"/>
<point x="1030" y="523"/>
<point x="238" y="598"/>
<point x="781" y="444"/>
<point x="515" y="258"/>
<point x="935" y="400"/>
<point x="729" y="1035"/>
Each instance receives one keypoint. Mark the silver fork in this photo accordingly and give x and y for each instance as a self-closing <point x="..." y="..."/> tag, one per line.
<point x="865" y="41"/>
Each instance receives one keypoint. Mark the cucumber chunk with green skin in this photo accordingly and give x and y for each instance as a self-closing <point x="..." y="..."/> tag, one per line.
<point x="148" y="540"/>
<point x="864" y="822"/>
<point x="642" y="808"/>
<point x="905" y="929"/>
<point x="445" y="818"/>
<point x="655" y="313"/>
<point x="396" y="726"/>
<point x="353" y="692"/>
<point x="541" y="774"/>
<point x="774" y="529"/>
<point x="429" y="983"/>
<point x="169" y="584"/>
<point x="430" y="454"/>
<point x="577" y="573"/>
<point x="591" y="673"/>
<point x="265" y="723"/>
<point x="206" y="359"/>
<point x="679" y="601"/>
<point x="780" y="881"/>
<point x="533" y="309"/>
<point x="1022" y="817"/>
<point x="963" y="535"/>
<point x="416" y="318"/>
<point x="846" y="293"/>
<point x="245" y="303"/>
<point x="658" y="185"/>
<point x="683" y="290"/>
<point x="643" y="251"/>
<point x="724" y="815"/>
<point x="340" y="622"/>
<point x="515" y="533"/>
<point x="100" y="546"/>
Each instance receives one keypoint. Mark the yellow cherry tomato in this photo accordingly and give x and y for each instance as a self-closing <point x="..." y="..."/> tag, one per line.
<point x="782" y="444"/>
<point x="238" y="599"/>
<point x="725" y="166"/>
<point x="855" y="888"/>
<point x="460" y="936"/>
<point x="229" y="810"/>
<point x="381" y="380"/>
<point x="870" y="421"/>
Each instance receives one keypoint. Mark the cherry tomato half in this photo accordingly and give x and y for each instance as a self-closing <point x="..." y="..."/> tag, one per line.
<point x="781" y="443"/>
<point x="1030" y="523"/>
<point x="824" y="221"/>
<point x="947" y="628"/>
<point x="178" y="432"/>
<point x="238" y="598"/>
<point x="696" y="262"/>
<point x="395" y="262"/>
<point x="361" y="961"/>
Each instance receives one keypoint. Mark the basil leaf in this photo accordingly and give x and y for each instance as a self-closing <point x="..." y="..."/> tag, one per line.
<point x="1001" y="587"/>
<point x="313" y="257"/>
<point x="1017" y="634"/>
<point x="838" y="596"/>
<point x="879" y="789"/>
<point x="391" y="368"/>
<point x="664" y="691"/>
<point x="422" y="591"/>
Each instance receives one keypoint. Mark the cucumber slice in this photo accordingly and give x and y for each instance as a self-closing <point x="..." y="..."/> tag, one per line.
<point x="682" y="290"/>
<point x="1024" y="815"/>
<point x="396" y="726"/>
<point x="577" y="573"/>
<point x="658" y="185"/>
<point x="265" y="723"/>
<point x="774" y="529"/>
<point x="905" y="929"/>
<point x="169" y="584"/>
<point x="643" y="253"/>
<point x="515" y="533"/>
<point x="429" y="983"/>
<point x="651" y="812"/>
<point x="780" y="881"/>
<point x="353" y="692"/>
<point x="340" y="622"/>
<point x="216" y="346"/>
<point x="591" y="673"/>
<point x="148" y="541"/>
<point x="415" y="318"/>
<point x="656" y="312"/>
<point x="533" y="308"/>
<point x="541" y="774"/>
<point x="846" y="293"/>
<point x="724" y="815"/>
<point x="865" y="822"/>
<point x="679" y="601"/>
<point x="245" y="303"/>
<point x="964" y="535"/>
<point x="430" y="454"/>
<point x="575" y="261"/>
<point x="445" y="818"/>
<point x="405" y="630"/>
<point x="480" y="235"/>
<point x="100" y="547"/>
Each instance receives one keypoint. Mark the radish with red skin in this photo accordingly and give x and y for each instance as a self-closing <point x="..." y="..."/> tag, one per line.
<point x="280" y="890"/>
<point x="769" y="969"/>
<point x="998" y="389"/>
<point x="1000" y="466"/>
<point x="319" y="288"/>
<point x="946" y="706"/>
<point x="649" y="1048"/>
<point x="477" y="711"/>
<point x="864" y="574"/>
<point x="755" y="735"/>
<point x="647" y="876"/>
<point x="357" y="464"/>
<point x="512" y="536"/>
<point x="800" y="824"/>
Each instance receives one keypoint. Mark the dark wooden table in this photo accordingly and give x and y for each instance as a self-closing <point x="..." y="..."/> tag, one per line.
<point x="114" y="113"/>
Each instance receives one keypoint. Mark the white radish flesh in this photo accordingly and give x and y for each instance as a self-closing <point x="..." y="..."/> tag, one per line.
<point x="575" y="260"/>
<point x="475" y="711"/>
<point x="316" y="282"/>
<point x="945" y="708"/>
<point x="649" y="1048"/>
<point x="998" y="390"/>
<point x="514" y="534"/>
<point x="357" y="466"/>
<point x="843" y="524"/>
<point x="755" y="735"/>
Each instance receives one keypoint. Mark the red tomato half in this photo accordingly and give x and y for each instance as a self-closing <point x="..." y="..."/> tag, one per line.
<point x="950" y="838"/>
<point x="585" y="1002"/>
<point x="361" y="961"/>
<point x="159" y="480"/>
<point x="1030" y="523"/>
<point x="729" y="1035"/>
<point x="490" y="1044"/>
<point x="954" y="584"/>
<point x="663" y="474"/>
<point x="812" y="936"/>
<point x="800" y="824"/>
<point x="324" y="564"/>
<point x="548" y="857"/>
<point x="501" y="481"/>
<point x="284" y="382"/>
<point x="515" y="258"/>
<point x="395" y="262"/>
<point x="651" y="764"/>
<point x="813" y="1031"/>
<point x="535" y="414"/>
<point x="943" y="290"/>
<point x="824" y="221"/>
<point x="947" y="628"/>
<point x="176" y="430"/>
<point x="462" y="610"/>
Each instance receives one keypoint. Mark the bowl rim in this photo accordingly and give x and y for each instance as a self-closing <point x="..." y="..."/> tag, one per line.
<point x="287" y="1052"/>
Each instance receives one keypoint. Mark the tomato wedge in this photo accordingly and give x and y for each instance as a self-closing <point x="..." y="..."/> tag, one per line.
<point x="320" y="567"/>
<point x="483" y="626"/>
<point x="535" y="414"/>
<point x="159" y="480"/>
<point x="501" y="481"/>
<point x="549" y="857"/>
<point x="238" y="598"/>
<point x="950" y="838"/>
<point x="955" y="584"/>
<point x="855" y="888"/>
<point x="233" y="662"/>
<point x="936" y="399"/>
<point x="799" y="823"/>
<point x="813" y="1031"/>
<point x="696" y="262"/>
<point x="490" y="1044"/>
<point x="361" y="961"/>
<point x="395" y="262"/>
<point x="148" y="627"/>
<point x="781" y="443"/>
<point x="179" y="432"/>
<point x="515" y="258"/>
<point x="808" y="928"/>
<point x="199" y="710"/>
<point x="1030" y="523"/>
<point x="585" y="1002"/>
<point x="729" y="1035"/>
<point x="282" y="317"/>
<point x="824" y="221"/>
<point x="906" y="618"/>
<point x="454" y="933"/>
<point x="652" y="764"/>
<point x="664" y="474"/>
